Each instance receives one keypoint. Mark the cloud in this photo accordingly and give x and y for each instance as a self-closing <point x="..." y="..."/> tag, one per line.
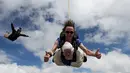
<point x="14" y="68"/>
<point x="113" y="62"/>
<point x="89" y="10"/>
<point x="41" y="40"/>
<point x="4" y="59"/>
<point x="105" y="37"/>
<point x="115" y="22"/>
<point x="109" y="15"/>
<point x="48" y="68"/>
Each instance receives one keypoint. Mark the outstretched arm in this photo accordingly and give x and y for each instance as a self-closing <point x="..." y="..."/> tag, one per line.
<point x="12" y="27"/>
<point x="89" y="52"/>
<point x="54" y="47"/>
<point x="24" y="35"/>
<point x="50" y="53"/>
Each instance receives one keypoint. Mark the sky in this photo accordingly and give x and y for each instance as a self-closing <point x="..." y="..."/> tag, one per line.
<point x="100" y="24"/>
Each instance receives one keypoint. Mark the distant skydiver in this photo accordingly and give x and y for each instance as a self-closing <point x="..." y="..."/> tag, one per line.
<point x="15" y="33"/>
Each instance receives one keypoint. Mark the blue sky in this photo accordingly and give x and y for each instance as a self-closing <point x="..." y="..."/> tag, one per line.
<point x="100" y="24"/>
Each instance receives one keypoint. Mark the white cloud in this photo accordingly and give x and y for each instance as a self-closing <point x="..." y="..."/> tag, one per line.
<point x="87" y="12"/>
<point x="30" y="69"/>
<point x="12" y="4"/>
<point x="114" y="21"/>
<point x="110" y="37"/>
<point x="111" y="15"/>
<point x="49" y="68"/>
<point x="113" y="62"/>
<point x="4" y="59"/>
<point x="14" y="68"/>
<point x="7" y="6"/>
<point x="41" y="40"/>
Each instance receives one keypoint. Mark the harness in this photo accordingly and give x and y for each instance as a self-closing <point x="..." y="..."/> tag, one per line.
<point x="74" y="44"/>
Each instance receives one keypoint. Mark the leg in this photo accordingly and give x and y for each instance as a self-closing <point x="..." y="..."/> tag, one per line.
<point x="12" y="26"/>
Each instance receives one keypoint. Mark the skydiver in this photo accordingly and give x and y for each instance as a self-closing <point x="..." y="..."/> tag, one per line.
<point x="15" y="33"/>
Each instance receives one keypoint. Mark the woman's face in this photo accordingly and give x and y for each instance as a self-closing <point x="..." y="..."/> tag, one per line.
<point x="69" y="31"/>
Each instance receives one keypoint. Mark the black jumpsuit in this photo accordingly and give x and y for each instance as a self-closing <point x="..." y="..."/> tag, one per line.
<point x="15" y="34"/>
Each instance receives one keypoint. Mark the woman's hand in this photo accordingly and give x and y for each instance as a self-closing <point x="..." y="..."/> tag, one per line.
<point x="97" y="54"/>
<point x="46" y="57"/>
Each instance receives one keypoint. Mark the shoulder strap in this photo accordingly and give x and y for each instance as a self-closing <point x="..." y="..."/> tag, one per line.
<point x="62" y="39"/>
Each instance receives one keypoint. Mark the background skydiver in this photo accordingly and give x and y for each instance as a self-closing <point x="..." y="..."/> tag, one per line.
<point x="15" y="33"/>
